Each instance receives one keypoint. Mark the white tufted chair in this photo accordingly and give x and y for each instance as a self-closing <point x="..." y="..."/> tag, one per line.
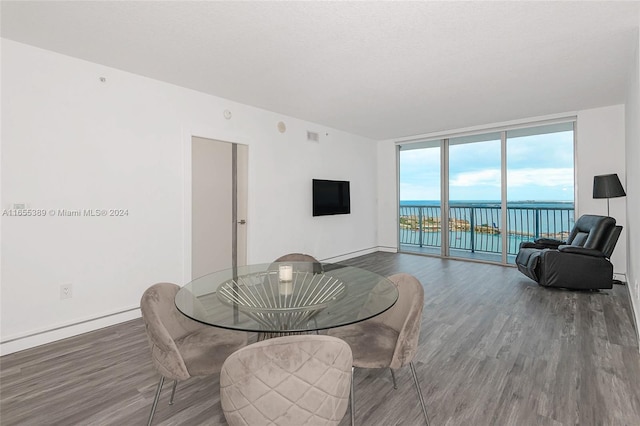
<point x="287" y="381"/>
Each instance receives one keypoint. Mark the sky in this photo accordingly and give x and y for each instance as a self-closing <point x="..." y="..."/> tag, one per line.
<point x="539" y="168"/>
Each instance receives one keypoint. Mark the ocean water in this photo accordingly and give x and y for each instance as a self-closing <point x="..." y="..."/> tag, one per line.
<point x="480" y="223"/>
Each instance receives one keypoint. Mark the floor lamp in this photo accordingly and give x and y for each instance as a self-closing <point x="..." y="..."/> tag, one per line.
<point x="607" y="186"/>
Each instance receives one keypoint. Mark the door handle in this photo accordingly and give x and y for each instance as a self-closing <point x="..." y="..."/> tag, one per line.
<point x="242" y="222"/>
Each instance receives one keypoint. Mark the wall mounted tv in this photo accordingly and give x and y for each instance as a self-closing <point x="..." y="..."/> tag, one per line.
<point x="331" y="197"/>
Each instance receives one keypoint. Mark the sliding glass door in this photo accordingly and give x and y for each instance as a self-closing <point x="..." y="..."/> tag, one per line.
<point x="475" y="197"/>
<point x="478" y="196"/>
<point x="420" y="199"/>
<point x="540" y="184"/>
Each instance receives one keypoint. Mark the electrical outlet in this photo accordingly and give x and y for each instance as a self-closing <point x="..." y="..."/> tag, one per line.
<point x="66" y="291"/>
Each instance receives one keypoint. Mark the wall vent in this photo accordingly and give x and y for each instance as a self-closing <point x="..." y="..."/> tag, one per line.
<point x="313" y="136"/>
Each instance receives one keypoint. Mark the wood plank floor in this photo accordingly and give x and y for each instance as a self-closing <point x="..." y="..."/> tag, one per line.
<point x="495" y="349"/>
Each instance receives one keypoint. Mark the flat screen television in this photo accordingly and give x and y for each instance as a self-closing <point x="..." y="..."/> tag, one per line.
<point x="331" y="197"/>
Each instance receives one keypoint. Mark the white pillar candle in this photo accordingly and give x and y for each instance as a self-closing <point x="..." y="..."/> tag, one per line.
<point x="285" y="277"/>
<point x="285" y="272"/>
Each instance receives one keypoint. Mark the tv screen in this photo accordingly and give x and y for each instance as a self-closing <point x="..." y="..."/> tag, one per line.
<point x="330" y="197"/>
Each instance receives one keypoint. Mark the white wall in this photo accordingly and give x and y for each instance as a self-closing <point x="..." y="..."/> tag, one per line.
<point x="70" y="141"/>
<point x="632" y="184"/>
<point x="600" y="150"/>
<point x="387" y="196"/>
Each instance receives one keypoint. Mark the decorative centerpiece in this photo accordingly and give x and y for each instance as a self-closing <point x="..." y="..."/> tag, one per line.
<point x="281" y="299"/>
<point x="284" y="289"/>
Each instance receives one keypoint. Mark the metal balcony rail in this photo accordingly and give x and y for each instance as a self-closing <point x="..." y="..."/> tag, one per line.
<point x="477" y="227"/>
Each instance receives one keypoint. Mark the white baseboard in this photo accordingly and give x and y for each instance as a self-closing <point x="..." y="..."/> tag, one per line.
<point x="620" y="277"/>
<point x="32" y="339"/>
<point x="349" y="255"/>
<point x="357" y="253"/>
<point x="388" y="249"/>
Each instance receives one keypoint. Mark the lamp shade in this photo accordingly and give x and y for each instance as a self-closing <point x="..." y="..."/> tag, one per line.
<point x="607" y="186"/>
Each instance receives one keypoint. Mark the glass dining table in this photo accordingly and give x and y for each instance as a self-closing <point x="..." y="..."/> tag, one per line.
<point x="281" y="298"/>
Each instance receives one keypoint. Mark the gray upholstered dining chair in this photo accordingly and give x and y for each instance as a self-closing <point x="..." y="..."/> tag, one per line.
<point x="314" y="265"/>
<point x="296" y="257"/>
<point x="389" y="340"/>
<point x="304" y="263"/>
<point x="292" y="380"/>
<point x="180" y="347"/>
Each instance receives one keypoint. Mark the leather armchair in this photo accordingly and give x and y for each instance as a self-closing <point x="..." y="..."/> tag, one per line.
<point x="580" y="262"/>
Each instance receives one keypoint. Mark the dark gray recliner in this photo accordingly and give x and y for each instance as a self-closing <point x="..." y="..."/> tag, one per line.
<point x="581" y="262"/>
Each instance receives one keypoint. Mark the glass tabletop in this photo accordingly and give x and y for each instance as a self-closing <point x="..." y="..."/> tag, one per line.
<point x="285" y="297"/>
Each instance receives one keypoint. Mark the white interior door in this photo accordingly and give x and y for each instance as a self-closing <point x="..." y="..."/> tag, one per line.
<point x="218" y="205"/>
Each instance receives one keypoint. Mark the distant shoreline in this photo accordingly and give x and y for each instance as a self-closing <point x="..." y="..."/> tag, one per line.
<point x="521" y="203"/>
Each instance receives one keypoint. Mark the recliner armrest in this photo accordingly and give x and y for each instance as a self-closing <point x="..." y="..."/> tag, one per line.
<point x="580" y="250"/>
<point x="549" y="242"/>
<point x="529" y="244"/>
<point x="542" y="243"/>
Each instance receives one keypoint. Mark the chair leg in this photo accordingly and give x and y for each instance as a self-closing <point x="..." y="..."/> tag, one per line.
<point x="155" y="400"/>
<point x="352" y="404"/>
<point x="415" y="380"/>
<point x="393" y="377"/>
<point x="173" y="391"/>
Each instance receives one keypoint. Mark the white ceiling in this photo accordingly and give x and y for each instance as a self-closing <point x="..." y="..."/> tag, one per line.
<point x="377" y="69"/>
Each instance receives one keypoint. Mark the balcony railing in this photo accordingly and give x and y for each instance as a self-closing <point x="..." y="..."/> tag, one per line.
<point x="478" y="227"/>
